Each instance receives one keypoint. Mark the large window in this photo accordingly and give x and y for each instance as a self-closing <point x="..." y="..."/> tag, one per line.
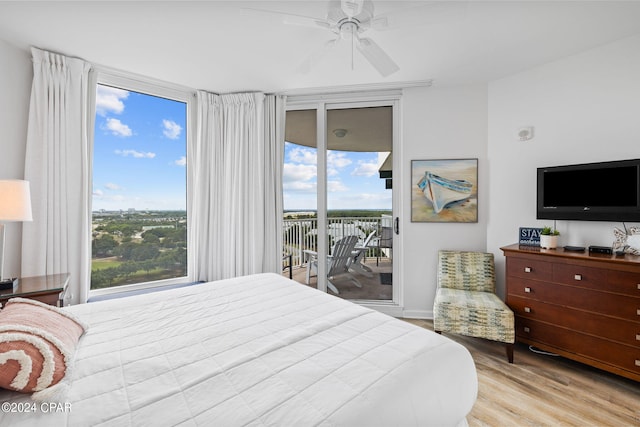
<point x="139" y="218"/>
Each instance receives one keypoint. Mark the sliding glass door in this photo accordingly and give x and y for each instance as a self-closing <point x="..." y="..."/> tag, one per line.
<point x="341" y="154"/>
<point x="359" y="194"/>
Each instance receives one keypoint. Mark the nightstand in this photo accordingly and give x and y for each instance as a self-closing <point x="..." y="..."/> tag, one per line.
<point x="48" y="289"/>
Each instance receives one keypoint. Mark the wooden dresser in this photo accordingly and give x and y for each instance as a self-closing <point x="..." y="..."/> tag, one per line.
<point x="583" y="307"/>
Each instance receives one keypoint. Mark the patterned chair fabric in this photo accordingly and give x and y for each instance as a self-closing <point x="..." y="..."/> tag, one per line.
<point x="468" y="271"/>
<point x="466" y="302"/>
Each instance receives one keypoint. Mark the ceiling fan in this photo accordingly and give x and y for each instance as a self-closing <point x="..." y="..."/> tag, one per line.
<point x="348" y="20"/>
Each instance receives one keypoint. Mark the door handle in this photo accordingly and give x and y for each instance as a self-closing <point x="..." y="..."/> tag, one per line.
<point x="396" y="225"/>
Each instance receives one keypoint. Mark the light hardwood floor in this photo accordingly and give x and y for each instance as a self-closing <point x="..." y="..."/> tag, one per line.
<point x="539" y="390"/>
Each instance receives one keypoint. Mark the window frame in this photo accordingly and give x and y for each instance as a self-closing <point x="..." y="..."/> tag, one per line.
<point x="149" y="86"/>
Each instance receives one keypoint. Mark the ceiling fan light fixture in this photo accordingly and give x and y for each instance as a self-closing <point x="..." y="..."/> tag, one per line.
<point x="348" y="30"/>
<point x="340" y="133"/>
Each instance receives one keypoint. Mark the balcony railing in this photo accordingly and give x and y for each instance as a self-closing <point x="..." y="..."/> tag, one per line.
<point x="301" y="234"/>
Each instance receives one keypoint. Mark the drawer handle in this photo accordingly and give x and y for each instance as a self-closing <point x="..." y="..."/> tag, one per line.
<point x="527" y="309"/>
<point x="528" y="290"/>
<point x="637" y="362"/>
<point x="528" y="270"/>
<point x="638" y="286"/>
<point x="577" y="276"/>
<point x="527" y="330"/>
<point x="637" y="337"/>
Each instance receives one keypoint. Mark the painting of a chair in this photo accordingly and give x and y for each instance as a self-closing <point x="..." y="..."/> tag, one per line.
<point x="338" y="262"/>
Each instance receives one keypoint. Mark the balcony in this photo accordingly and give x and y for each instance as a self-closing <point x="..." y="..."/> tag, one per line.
<point x="300" y="234"/>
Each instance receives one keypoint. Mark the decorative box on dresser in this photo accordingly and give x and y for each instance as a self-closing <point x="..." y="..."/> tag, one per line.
<point x="582" y="306"/>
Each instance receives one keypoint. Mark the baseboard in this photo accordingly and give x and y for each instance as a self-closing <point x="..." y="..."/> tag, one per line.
<point x="417" y="314"/>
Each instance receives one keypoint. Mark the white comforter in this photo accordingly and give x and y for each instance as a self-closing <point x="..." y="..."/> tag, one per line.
<point x="255" y="350"/>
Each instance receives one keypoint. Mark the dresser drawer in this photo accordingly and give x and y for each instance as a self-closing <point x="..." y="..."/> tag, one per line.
<point x="529" y="269"/>
<point x="604" y="351"/>
<point x="623" y="331"/>
<point x="624" y="282"/>
<point x="606" y="303"/>
<point x="577" y="275"/>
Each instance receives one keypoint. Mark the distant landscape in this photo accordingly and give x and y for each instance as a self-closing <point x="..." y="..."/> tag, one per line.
<point x="130" y="246"/>
<point x="338" y="213"/>
<point x="133" y="247"/>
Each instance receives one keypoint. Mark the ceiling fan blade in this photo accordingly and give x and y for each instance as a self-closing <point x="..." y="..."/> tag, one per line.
<point x="335" y="13"/>
<point x="316" y="56"/>
<point x="352" y="8"/>
<point x="292" y="19"/>
<point x="306" y="21"/>
<point x="377" y="57"/>
<point x="432" y="13"/>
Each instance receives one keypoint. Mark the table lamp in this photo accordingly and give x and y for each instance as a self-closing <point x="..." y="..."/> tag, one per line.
<point x="15" y="205"/>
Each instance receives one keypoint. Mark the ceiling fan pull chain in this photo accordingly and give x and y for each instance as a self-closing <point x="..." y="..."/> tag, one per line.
<point x="353" y="40"/>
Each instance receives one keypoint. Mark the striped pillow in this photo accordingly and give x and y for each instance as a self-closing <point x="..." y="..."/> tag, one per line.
<point x="37" y="345"/>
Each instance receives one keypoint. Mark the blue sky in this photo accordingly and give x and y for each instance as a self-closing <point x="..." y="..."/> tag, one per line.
<point x="139" y="151"/>
<point x="140" y="161"/>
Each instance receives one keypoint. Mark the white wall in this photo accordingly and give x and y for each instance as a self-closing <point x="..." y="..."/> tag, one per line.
<point x="585" y="108"/>
<point x="15" y="90"/>
<point x="440" y="123"/>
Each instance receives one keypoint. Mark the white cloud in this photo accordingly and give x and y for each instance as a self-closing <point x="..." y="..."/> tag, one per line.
<point x="336" y="186"/>
<point x="171" y="129"/>
<point x="109" y="100"/>
<point x="306" y="156"/>
<point x="116" y="127"/>
<point x="365" y="169"/>
<point x="303" y="155"/>
<point x="299" y="178"/>
<point x="337" y="160"/>
<point x="136" y="154"/>
<point x="299" y="186"/>
<point x="98" y="193"/>
<point x="293" y="173"/>
<point x="112" y="186"/>
<point x="182" y="161"/>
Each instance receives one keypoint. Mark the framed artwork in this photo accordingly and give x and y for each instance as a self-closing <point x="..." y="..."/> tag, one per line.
<point x="444" y="190"/>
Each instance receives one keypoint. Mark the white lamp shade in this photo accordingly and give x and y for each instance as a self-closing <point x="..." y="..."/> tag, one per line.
<point x="15" y="200"/>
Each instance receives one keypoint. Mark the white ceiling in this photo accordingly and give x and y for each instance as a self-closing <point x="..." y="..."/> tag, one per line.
<point x="220" y="47"/>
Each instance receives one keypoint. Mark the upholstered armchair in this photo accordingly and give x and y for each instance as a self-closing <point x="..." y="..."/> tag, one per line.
<point x="466" y="302"/>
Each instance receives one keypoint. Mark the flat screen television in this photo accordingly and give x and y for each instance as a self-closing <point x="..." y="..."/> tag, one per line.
<point x="604" y="191"/>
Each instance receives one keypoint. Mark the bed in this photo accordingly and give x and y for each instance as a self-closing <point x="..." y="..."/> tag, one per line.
<point x="254" y="350"/>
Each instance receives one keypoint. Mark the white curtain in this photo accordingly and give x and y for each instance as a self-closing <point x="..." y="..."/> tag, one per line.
<point x="274" y="130"/>
<point x="58" y="166"/>
<point x="235" y="163"/>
